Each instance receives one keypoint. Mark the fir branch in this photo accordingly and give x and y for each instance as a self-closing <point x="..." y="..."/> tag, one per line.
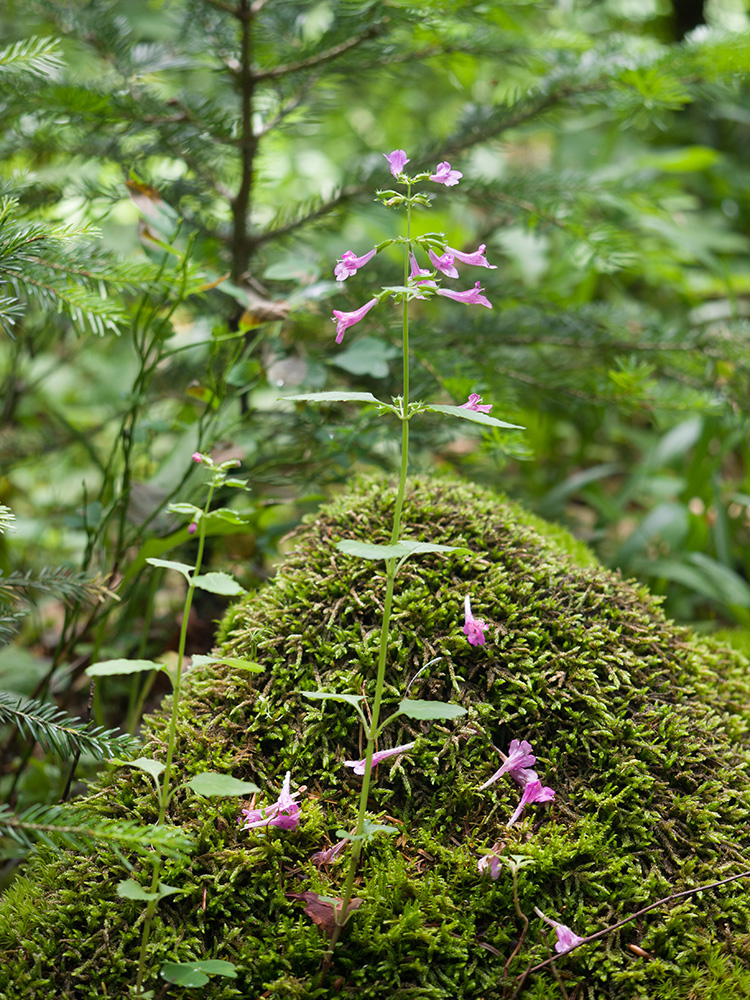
<point x="322" y="57"/>
<point x="73" y="827"/>
<point x="59" y="733"/>
<point x="35" y="56"/>
<point x="10" y="625"/>
<point x="67" y="584"/>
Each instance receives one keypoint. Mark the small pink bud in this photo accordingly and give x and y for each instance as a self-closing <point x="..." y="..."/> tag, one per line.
<point x="197" y="457"/>
<point x="192" y="528"/>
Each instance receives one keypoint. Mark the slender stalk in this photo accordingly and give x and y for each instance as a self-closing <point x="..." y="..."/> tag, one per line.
<point x="343" y="911"/>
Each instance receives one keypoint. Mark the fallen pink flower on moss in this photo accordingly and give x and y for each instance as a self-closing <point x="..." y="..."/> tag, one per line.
<point x="474" y="402"/>
<point x="350" y="264"/>
<point x="344" y="320"/>
<point x="283" y="813"/>
<point x="533" y="791"/>
<point x="328" y="856"/>
<point x="359" y="765"/>
<point x="473" y="627"/>
<point x="491" y="862"/>
<point x="519" y="758"/>
<point x="566" y="939"/>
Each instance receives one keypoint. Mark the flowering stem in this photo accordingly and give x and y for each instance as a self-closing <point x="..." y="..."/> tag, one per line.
<point x="372" y="732"/>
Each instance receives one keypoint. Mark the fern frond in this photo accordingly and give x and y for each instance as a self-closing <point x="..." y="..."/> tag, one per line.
<point x="59" y="825"/>
<point x="59" y="733"/>
<point x="35" y="56"/>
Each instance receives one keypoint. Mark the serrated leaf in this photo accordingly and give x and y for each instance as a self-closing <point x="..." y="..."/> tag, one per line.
<point x="418" y="709"/>
<point x="218" y="583"/>
<point x="333" y="397"/>
<point x="473" y="415"/>
<point x="111" y="668"/>
<point x="180" y="567"/>
<point x="210" y="783"/>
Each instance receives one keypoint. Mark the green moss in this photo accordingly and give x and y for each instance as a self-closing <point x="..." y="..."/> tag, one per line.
<point x="639" y="725"/>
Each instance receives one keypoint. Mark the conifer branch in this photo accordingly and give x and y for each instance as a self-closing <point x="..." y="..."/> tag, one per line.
<point x="61" y="734"/>
<point x="323" y="57"/>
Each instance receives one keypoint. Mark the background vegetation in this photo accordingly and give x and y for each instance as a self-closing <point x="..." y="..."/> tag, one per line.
<point x="178" y="178"/>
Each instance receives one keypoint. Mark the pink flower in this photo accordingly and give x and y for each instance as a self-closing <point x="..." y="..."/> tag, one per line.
<point x="197" y="457"/>
<point x="326" y="857"/>
<point x="192" y="528"/>
<point x="474" y="402"/>
<point x="524" y="775"/>
<point x="349" y="264"/>
<point x="473" y="627"/>
<point x="566" y="939"/>
<point x="443" y="263"/>
<point x="477" y="257"/>
<point x="417" y="272"/>
<point x="519" y="758"/>
<point x="359" y="765"/>
<point x="534" y="791"/>
<point x="344" y="320"/>
<point x="444" y="175"/>
<point x="472" y="296"/>
<point x="283" y="813"/>
<point x="397" y="160"/>
<point x="492" y="862"/>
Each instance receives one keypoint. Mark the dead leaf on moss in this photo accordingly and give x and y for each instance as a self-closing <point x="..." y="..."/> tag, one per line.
<point x="320" y="911"/>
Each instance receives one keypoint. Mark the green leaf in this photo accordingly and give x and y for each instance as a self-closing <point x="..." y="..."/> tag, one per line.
<point x="430" y="709"/>
<point x="196" y="973"/>
<point x="368" y="831"/>
<point x="147" y="764"/>
<point x="369" y="550"/>
<point x="111" y="668"/>
<point x="333" y="397"/>
<point x="351" y="699"/>
<point x="474" y="415"/>
<point x="129" y="889"/>
<point x="200" y="660"/>
<point x="210" y="783"/>
<point x="218" y="583"/>
<point x="684" y="160"/>
<point x="183" y="508"/>
<point x="181" y="567"/>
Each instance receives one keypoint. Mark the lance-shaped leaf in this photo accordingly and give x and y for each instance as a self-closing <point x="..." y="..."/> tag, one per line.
<point x="401" y="550"/>
<point x="200" y="660"/>
<point x="111" y="668"/>
<point x="129" y="889"/>
<point x="334" y="397"/>
<point x="419" y="709"/>
<point x="180" y="567"/>
<point x="218" y="583"/>
<point x="350" y="699"/>
<point x="478" y="418"/>
<point x="210" y="784"/>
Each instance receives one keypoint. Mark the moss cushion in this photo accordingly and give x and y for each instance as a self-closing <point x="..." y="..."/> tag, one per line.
<point x="639" y="725"/>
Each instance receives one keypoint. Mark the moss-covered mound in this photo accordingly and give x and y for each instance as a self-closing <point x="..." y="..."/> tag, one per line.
<point x="639" y="726"/>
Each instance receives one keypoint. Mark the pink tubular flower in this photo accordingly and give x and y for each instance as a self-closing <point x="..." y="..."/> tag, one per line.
<point x="473" y="627"/>
<point x="492" y="862"/>
<point x="474" y="402"/>
<point x="197" y="457"/>
<point x="326" y="857"/>
<point x="283" y="813"/>
<point x="566" y="939"/>
<point x="359" y="765"/>
<point x="416" y="273"/>
<point x="534" y="791"/>
<point x="472" y="296"/>
<point x="443" y="263"/>
<point x="344" y="320"/>
<point x="519" y="758"/>
<point x="349" y="264"/>
<point x="444" y="175"/>
<point x="397" y="160"/>
<point x="477" y="257"/>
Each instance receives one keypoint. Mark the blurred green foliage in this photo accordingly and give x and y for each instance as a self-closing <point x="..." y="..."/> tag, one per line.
<point x="178" y="180"/>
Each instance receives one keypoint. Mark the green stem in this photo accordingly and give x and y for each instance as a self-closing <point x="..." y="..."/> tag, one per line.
<point x="342" y="913"/>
